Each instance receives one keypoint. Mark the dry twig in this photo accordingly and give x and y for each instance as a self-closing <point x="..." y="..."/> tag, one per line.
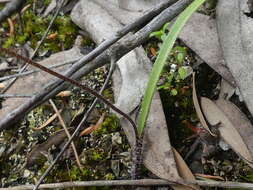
<point x="67" y="132"/>
<point x="140" y="182"/>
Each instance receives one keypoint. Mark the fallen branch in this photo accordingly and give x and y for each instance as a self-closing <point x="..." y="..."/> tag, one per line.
<point x="120" y="48"/>
<point x="16" y="95"/>
<point x="141" y="182"/>
<point x="30" y="72"/>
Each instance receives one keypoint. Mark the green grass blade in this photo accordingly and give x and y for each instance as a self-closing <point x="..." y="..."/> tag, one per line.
<point x="161" y="60"/>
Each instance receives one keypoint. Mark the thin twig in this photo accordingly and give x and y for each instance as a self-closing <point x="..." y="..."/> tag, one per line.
<point x="30" y="72"/>
<point x="67" y="132"/>
<point x="140" y="182"/>
<point x="37" y="47"/>
<point x="16" y="95"/>
<point x="11" y="25"/>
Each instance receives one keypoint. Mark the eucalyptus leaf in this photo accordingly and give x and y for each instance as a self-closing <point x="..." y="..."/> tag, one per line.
<point x="227" y="130"/>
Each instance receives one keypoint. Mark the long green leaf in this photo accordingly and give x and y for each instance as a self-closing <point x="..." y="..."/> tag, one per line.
<point x="161" y="60"/>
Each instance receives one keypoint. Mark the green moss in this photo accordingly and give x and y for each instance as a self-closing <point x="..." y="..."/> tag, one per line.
<point x="9" y="42"/>
<point x="47" y="2"/>
<point x="35" y="27"/>
<point x="96" y="156"/>
<point x="110" y="125"/>
<point x="109" y="176"/>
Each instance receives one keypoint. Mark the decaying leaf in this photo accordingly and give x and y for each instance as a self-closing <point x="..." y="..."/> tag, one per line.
<point x="226" y="90"/>
<point x="2" y="85"/>
<point x="184" y="172"/>
<point x="197" y="106"/>
<point x="235" y="31"/>
<point x="50" y="120"/>
<point x="227" y="130"/>
<point x="93" y="127"/>
<point x="210" y="177"/>
<point x="65" y="93"/>
<point x="239" y="120"/>
<point x="39" y="150"/>
<point x="207" y="47"/>
<point x="153" y="51"/>
<point x="52" y="36"/>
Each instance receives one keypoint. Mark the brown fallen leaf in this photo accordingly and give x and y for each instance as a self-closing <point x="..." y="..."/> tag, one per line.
<point x="239" y="120"/>
<point x="226" y="90"/>
<point x="92" y="128"/>
<point x="184" y="172"/>
<point x="52" y="36"/>
<point x="237" y="46"/>
<point x="2" y="85"/>
<point x="227" y="130"/>
<point x="210" y="176"/>
<point x="207" y="47"/>
<point x="50" y="120"/>
<point x="65" y="93"/>
<point x="11" y="25"/>
<point x="197" y="106"/>
<point x="153" y="51"/>
<point x="39" y="150"/>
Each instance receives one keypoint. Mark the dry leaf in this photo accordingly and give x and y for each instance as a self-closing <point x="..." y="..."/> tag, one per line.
<point x="37" y="151"/>
<point x="184" y="172"/>
<point x="11" y="25"/>
<point x="210" y="177"/>
<point x="197" y="106"/>
<point x="226" y="90"/>
<point x="207" y="47"/>
<point x="65" y="93"/>
<point x="153" y="51"/>
<point x="227" y="130"/>
<point x="50" y="120"/>
<point x="235" y="30"/>
<point x="93" y="127"/>
<point x="2" y="85"/>
<point x="52" y="36"/>
<point x="239" y="120"/>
